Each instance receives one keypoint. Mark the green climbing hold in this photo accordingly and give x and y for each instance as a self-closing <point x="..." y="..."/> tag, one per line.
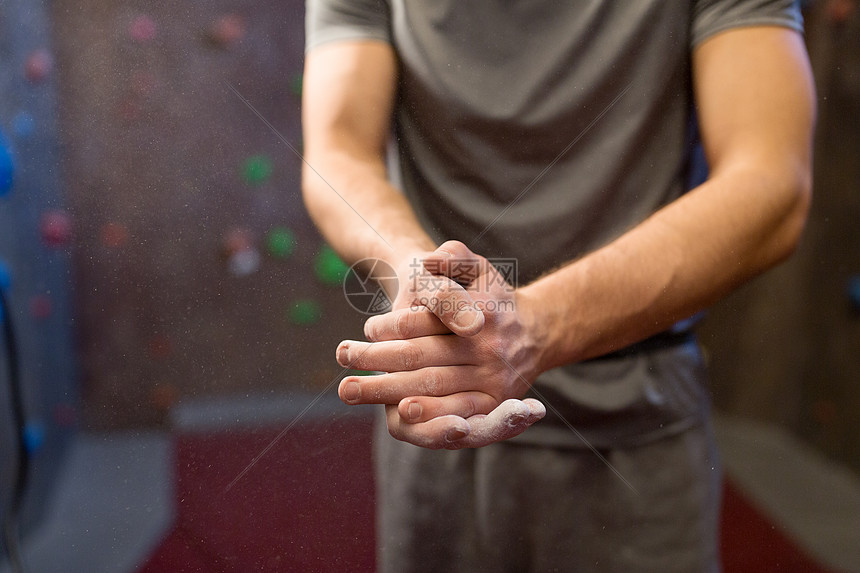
<point x="328" y="267"/>
<point x="305" y="312"/>
<point x="296" y="84"/>
<point x="280" y="242"/>
<point x="256" y="169"/>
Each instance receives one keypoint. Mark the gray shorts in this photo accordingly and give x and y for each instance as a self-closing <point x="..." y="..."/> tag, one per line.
<point x="512" y="507"/>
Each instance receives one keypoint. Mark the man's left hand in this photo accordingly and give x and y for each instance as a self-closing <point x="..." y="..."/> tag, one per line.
<point x="444" y="390"/>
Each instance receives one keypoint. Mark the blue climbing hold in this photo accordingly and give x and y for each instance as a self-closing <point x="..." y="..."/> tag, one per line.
<point x="5" y="283"/>
<point x="23" y="124"/>
<point x="5" y="276"/>
<point x="853" y="290"/>
<point x="7" y="167"/>
<point x="34" y="437"/>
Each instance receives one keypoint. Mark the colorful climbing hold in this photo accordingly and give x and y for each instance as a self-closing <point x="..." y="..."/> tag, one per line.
<point x="41" y="306"/>
<point x="244" y="263"/>
<point x="5" y="282"/>
<point x="328" y="267"/>
<point x="280" y="242"/>
<point x="113" y="235"/>
<point x="56" y="228"/>
<point x="853" y="291"/>
<point x="226" y="30"/>
<point x="38" y="65"/>
<point x="5" y="276"/>
<point x="7" y="167"/>
<point x="256" y="169"/>
<point x="243" y="258"/>
<point x="305" y="312"/>
<point x="23" y="124"/>
<point x="839" y="11"/>
<point x="142" y="29"/>
<point x="297" y="84"/>
<point x="164" y="396"/>
<point x="33" y="436"/>
<point x="236" y="240"/>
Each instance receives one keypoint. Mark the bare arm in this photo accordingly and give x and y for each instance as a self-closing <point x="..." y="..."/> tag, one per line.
<point x="349" y="89"/>
<point x="756" y="109"/>
<point x="347" y="107"/>
<point x="346" y="113"/>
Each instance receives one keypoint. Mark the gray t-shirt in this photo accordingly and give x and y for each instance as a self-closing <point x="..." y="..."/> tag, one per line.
<point x="541" y="130"/>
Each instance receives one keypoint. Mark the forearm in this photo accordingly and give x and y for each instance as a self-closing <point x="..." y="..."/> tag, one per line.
<point x="346" y="112"/>
<point x="755" y="104"/>
<point x="358" y="212"/>
<point x="679" y="261"/>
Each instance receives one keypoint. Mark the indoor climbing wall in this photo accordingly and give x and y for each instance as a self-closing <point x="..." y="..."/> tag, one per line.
<point x="198" y="272"/>
<point x="38" y="406"/>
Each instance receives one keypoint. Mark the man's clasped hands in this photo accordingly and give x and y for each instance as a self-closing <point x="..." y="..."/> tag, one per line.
<point x="455" y="355"/>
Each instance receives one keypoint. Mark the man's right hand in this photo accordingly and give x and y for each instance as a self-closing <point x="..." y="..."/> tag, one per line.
<point x="479" y="400"/>
<point x="450" y="306"/>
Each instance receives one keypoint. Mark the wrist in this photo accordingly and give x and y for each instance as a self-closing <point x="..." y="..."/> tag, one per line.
<point x="407" y="248"/>
<point x="532" y="316"/>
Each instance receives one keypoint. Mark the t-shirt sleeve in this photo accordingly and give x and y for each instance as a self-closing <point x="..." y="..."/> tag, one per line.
<point x="332" y="20"/>
<point x="713" y="16"/>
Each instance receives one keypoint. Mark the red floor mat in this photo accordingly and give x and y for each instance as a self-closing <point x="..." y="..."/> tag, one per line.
<point x="307" y="506"/>
<point x="752" y="543"/>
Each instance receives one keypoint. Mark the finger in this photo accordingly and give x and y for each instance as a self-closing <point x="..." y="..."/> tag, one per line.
<point x="454" y="306"/>
<point x="464" y="404"/>
<point x="510" y="419"/>
<point x="403" y="355"/>
<point x="403" y="324"/>
<point x="392" y="388"/>
<point x="445" y="298"/>
<point x="455" y="260"/>
<point x="436" y="434"/>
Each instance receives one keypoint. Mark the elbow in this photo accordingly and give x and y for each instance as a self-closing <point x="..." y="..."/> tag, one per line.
<point x="312" y="186"/>
<point x="306" y="187"/>
<point x="797" y="195"/>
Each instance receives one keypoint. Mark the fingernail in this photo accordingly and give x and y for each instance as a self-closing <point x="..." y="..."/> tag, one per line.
<point x="414" y="411"/>
<point x="466" y="319"/>
<point x="343" y="354"/>
<point x="455" y="434"/>
<point x="351" y="391"/>
<point x="370" y="328"/>
<point x="516" y="420"/>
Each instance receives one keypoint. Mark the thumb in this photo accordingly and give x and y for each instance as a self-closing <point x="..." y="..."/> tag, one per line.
<point x="456" y="261"/>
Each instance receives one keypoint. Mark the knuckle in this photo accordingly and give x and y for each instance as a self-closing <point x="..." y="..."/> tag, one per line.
<point x="470" y="406"/>
<point x="403" y="324"/>
<point x="411" y="356"/>
<point x="433" y="383"/>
